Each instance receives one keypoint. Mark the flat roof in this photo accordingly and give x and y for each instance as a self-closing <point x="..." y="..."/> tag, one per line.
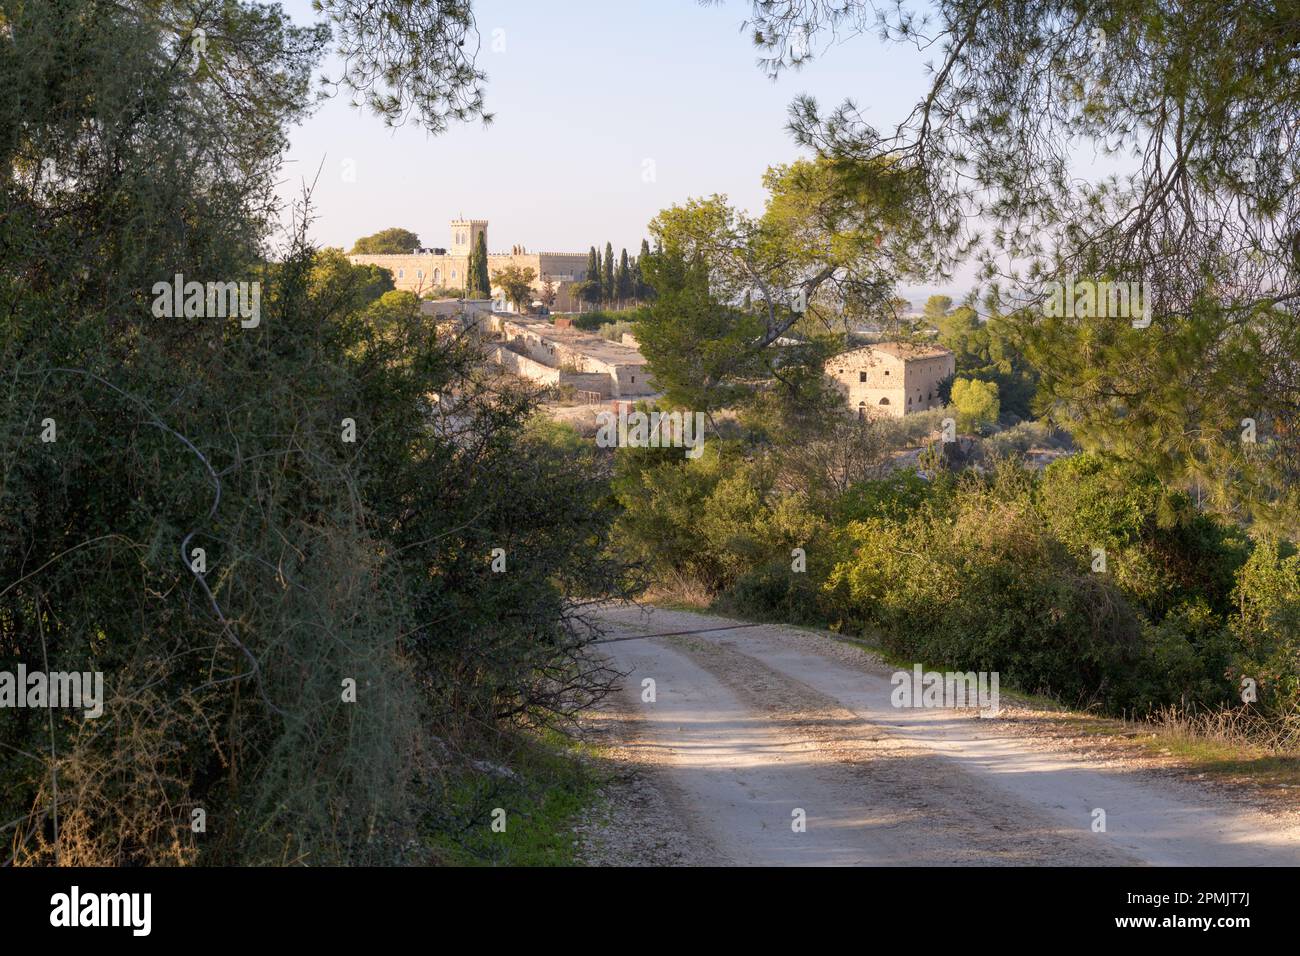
<point x="595" y="346"/>
<point x="906" y="351"/>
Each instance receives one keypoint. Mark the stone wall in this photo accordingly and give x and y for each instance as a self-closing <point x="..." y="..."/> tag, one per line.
<point x="422" y="272"/>
<point x="576" y="352"/>
<point x="525" y="367"/>
<point x="872" y="383"/>
<point x="881" y="382"/>
<point x="631" y="380"/>
<point x="923" y="378"/>
<point x="588" y="381"/>
<point x="467" y="314"/>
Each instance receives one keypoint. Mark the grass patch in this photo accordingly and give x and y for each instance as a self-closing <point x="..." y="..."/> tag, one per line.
<point x="1233" y="743"/>
<point x="1230" y="761"/>
<point x="550" y="787"/>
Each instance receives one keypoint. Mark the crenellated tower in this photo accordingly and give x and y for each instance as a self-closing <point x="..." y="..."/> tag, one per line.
<point x="464" y="233"/>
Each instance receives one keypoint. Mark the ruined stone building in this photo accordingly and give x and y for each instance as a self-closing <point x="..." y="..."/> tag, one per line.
<point x="563" y="355"/>
<point x="891" y="379"/>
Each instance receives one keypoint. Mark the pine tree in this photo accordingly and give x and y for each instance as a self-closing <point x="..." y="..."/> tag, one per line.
<point x="393" y="241"/>
<point x="607" y="275"/>
<point x="477" y="285"/>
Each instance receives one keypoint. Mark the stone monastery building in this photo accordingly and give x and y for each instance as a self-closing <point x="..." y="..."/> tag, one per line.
<point x="424" y="270"/>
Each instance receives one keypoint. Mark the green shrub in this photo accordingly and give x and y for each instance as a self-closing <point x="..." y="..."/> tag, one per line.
<point x="976" y="403"/>
<point x="1267" y="624"/>
<point x="614" y="331"/>
<point x="329" y="566"/>
<point x="1188" y="655"/>
<point x="986" y="572"/>
<point x="593" y="321"/>
<point x="986" y="587"/>
<point x="1022" y="437"/>
<point x="1161" y="549"/>
<point x="894" y="498"/>
<point x="775" y="592"/>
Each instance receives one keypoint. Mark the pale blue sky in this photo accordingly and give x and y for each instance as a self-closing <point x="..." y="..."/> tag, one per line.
<point x="586" y="94"/>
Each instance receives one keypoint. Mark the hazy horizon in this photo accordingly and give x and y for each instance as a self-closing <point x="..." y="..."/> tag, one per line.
<point x="603" y="117"/>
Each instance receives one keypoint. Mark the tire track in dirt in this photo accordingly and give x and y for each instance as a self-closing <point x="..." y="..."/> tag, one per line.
<point x="748" y="726"/>
<point x="737" y="748"/>
<point x="944" y="815"/>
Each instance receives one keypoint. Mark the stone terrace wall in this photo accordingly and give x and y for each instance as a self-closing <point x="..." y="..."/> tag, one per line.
<point x="525" y="367"/>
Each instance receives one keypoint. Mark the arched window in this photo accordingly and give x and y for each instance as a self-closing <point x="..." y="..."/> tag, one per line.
<point x="884" y="401"/>
<point x="862" y="409"/>
<point x="419" y="273"/>
<point x="401" y="273"/>
<point x="437" y="275"/>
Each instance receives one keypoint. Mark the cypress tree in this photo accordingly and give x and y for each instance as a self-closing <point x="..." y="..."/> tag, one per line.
<point x="643" y="291"/>
<point x="478" y="285"/>
<point x="607" y="276"/>
<point x="471" y="271"/>
<point x="624" y="281"/>
<point x="591" y="288"/>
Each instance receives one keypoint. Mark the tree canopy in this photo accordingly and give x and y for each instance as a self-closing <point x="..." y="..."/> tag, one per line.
<point x="387" y="242"/>
<point x="1203" y="213"/>
<point x="516" y="284"/>
<point x="742" y="301"/>
<point x="237" y="525"/>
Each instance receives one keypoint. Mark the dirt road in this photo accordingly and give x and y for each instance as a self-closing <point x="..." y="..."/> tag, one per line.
<point x="752" y="731"/>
